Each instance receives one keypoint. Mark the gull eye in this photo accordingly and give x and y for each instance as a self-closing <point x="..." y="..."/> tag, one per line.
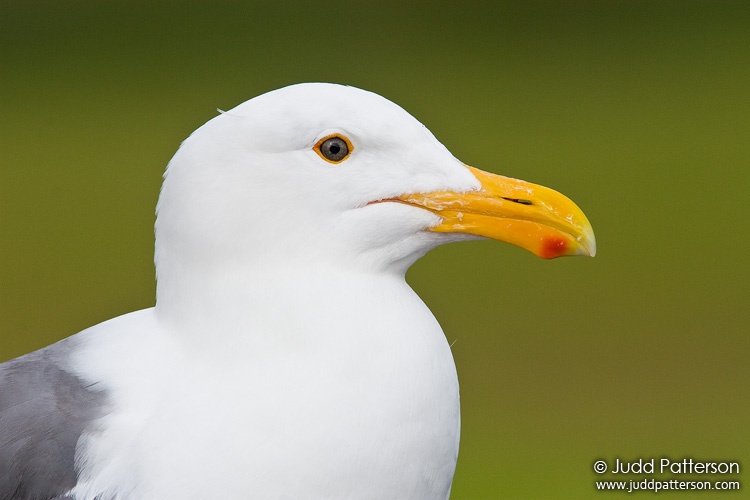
<point x="334" y="148"/>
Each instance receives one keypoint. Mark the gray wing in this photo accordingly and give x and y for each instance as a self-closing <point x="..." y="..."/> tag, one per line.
<point x="44" y="409"/>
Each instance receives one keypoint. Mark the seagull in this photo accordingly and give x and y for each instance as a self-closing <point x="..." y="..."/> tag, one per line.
<point x="286" y="357"/>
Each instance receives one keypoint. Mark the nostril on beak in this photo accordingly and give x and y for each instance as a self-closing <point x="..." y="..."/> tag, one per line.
<point x="520" y="201"/>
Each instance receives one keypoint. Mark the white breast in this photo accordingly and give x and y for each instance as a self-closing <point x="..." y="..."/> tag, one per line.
<point x="353" y="396"/>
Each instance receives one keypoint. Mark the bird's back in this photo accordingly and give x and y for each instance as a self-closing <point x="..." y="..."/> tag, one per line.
<point x="44" y="409"/>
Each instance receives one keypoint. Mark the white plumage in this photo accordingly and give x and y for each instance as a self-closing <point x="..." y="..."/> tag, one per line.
<point x="286" y="356"/>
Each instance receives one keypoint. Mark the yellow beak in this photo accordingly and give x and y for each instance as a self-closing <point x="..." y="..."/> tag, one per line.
<point x="533" y="217"/>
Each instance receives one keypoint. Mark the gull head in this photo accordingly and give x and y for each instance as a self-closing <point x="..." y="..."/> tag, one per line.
<point x="333" y="176"/>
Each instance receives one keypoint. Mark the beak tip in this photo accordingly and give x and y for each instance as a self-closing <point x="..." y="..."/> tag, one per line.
<point x="588" y="245"/>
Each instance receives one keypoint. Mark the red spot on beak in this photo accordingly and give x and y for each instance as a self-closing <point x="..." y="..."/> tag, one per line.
<point x="553" y="247"/>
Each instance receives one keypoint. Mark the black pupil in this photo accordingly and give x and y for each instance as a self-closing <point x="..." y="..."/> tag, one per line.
<point x="334" y="149"/>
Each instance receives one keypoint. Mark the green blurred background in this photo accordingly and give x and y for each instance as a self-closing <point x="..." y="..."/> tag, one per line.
<point x="639" y="111"/>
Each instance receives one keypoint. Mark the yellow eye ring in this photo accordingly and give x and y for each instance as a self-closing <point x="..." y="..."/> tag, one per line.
<point x="334" y="148"/>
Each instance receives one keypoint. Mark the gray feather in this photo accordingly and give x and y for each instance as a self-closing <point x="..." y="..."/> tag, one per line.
<point x="44" y="409"/>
